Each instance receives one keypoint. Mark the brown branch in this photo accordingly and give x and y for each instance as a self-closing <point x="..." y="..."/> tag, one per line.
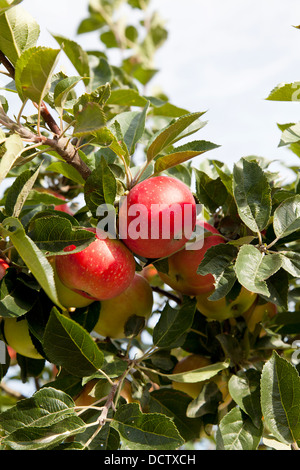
<point x="11" y="392"/>
<point x="7" y="64"/>
<point x="68" y="152"/>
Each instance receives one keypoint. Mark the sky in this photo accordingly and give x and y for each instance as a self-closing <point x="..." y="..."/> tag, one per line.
<point x="223" y="57"/>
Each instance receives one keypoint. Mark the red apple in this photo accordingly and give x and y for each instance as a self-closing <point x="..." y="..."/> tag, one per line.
<point x="183" y="265"/>
<point x="136" y="300"/>
<point x="3" y="267"/>
<point x="63" y="207"/>
<point x="157" y="217"/>
<point x="101" y="271"/>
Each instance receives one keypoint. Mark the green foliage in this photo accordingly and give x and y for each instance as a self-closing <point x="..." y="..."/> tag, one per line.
<point x="94" y="136"/>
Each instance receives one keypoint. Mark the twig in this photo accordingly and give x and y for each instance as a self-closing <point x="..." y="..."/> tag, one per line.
<point x="11" y="392"/>
<point x="167" y="294"/>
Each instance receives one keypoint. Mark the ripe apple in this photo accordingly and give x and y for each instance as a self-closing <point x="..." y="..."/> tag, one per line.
<point x="257" y="313"/>
<point x="3" y="267"/>
<point x="17" y="336"/>
<point x="183" y="265"/>
<point x="157" y="217"/>
<point x="101" y="271"/>
<point x="12" y="354"/>
<point x="221" y="309"/>
<point x="63" y="207"/>
<point x="190" y="362"/>
<point x="136" y="300"/>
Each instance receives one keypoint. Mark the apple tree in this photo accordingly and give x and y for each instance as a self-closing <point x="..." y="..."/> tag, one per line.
<point x="140" y="343"/>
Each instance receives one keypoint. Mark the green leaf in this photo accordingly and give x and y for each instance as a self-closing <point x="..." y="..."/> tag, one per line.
<point x="74" y="350"/>
<point x="52" y="234"/>
<point x="210" y="192"/>
<point x="100" y="187"/>
<point x="132" y="125"/>
<point x="170" y="331"/>
<point x="290" y="135"/>
<point x="163" y="139"/>
<point x="197" y="375"/>
<point x="34" y="259"/>
<point x="253" y="268"/>
<point x="218" y="261"/>
<point x="281" y="408"/>
<point x="65" y="169"/>
<point x="41" y="421"/>
<point x="285" y="92"/>
<point x="34" y="71"/>
<point x="182" y="154"/>
<point x="77" y="56"/>
<point x="16" y="298"/>
<point x="47" y="406"/>
<point x="89" y="120"/>
<point x="18" y="32"/>
<point x="174" y="403"/>
<point x="237" y="432"/>
<point x="100" y="96"/>
<point x="8" y="4"/>
<point x="286" y="218"/>
<point x="19" y="191"/>
<point x="206" y="402"/>
<point x="244" y="389"/>
<point x="14" y="147"/>
<point x="63" y="89"/>
<point x="252" y="194"/>
<point x="127" y="97"/>
<point x="146" y="431"/>
<point x="291" y="262"/>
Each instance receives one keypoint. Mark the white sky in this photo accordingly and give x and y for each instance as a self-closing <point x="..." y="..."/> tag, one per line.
<point x="223" y="56"/>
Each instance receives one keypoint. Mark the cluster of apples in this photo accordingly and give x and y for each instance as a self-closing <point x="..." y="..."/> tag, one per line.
<point x="105" y="271"/>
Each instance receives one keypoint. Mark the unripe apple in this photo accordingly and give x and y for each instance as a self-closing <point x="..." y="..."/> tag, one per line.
<point x="257" y="313"/>
<point x="3" y="267"/>
<point x="135" y="301"/>
<point x="222" y="309"/>
<point x="17" y="336"/>
<point x="190" y="362"/>
<point x="101" y="271"/>
<point x="183" y="265"/>
<point x="157" y="217"/>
